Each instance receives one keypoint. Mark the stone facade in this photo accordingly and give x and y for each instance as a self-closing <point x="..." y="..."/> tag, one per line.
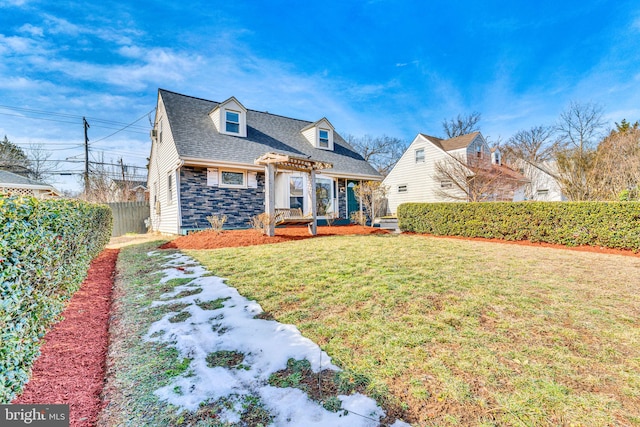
<point x="198" y="200"/>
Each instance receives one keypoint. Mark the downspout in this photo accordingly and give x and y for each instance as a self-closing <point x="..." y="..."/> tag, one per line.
<point x="178" y="198"/>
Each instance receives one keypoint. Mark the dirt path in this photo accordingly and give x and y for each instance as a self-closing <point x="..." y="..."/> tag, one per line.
<point x="71" y="367"/>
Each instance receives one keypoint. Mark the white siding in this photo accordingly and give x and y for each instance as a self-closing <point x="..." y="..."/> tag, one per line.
<point x="310" y="135"/>
<point x="164" y="160"/>
<point x="418" y="177"/>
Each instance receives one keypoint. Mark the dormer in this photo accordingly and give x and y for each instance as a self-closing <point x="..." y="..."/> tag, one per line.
<point x="230" y="118"/>
<point x="496" y="158"/>
<point x="319" y="134"/>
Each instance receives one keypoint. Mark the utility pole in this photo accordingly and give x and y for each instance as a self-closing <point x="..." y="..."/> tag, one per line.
<point x="122" y="167"/>
<point x="86" y="157"/>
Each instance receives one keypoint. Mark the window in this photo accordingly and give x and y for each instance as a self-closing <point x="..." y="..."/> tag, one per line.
<point x="324" y="196"/>
<point x="233" y="122"/>
<point x="296" y="192"/>
<point x="169" y="188"/>
<point x="160" y="131"/>
<point x="446" y="184"/>
<point x="232" y="179"/>
<point x="543" y="193"/>
<point x="402" y="188"/>
<point x="420" y="155"/>
<point x="323" y="138"/>
<point x="479" y="151"/>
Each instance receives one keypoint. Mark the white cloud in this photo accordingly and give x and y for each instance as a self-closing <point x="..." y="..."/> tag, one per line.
<point x="14" y="3"/>
<point x="31" y="29"/>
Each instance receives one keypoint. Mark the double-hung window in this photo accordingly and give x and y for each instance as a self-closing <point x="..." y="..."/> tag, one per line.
<point x="232" y="121"/>
<point x="420" y="155"/>
<point x="323" y="138"/>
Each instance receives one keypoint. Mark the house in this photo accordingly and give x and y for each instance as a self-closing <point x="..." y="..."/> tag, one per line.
<point x="463" y="168"/>
<point x="220" y="158"/>
<point x="12" y="184"/>
<point x="128" y="190"/>
<point x="543" y="183"/>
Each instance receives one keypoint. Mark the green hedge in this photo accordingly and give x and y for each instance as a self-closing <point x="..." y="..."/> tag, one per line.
<point x="45" y="250"/>
<point x="607" y="224"/>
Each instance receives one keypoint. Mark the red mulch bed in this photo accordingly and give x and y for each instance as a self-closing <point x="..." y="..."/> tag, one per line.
<point x="209" y="239"/>
<point x="71" y="367"/>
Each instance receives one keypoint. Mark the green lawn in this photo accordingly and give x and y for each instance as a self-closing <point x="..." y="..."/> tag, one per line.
<point x="456" y="332"/>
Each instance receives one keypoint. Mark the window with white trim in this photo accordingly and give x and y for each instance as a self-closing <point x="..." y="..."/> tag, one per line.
<point x="296" y="192"/>
<point x="420" y="155"/>
<point x="169" y="188"/>
<point x="235" y="179"/>
<point x="232" y="119"/>
<point x="323" y="138"/>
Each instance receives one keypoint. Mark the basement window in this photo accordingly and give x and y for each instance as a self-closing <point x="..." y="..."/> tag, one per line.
<point x="402" y="188"/>
<point x="446" y="184"/>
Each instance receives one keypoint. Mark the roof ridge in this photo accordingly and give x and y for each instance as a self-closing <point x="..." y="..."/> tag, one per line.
<point x="248" y="109"/>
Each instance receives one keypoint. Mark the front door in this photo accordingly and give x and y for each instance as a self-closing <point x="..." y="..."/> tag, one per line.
<point x="353" y="205"/>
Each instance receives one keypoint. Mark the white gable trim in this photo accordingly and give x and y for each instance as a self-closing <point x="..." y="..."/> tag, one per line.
<point x="223" y="120"/>
<point x="316" y="136"/>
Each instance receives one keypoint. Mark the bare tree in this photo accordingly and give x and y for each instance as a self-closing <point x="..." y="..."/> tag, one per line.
<point x="578" y="128"/>
<point x="372" y="196"/>
<point x="617" y="164"/>
<point x="580" y="125"/>
<point x="461" y="125"/>
<point x="535" y="145"/>
<point x="382" y="152"/>
<point x="42" y="167"/>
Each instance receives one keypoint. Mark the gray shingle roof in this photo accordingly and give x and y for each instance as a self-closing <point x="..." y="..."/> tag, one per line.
<point x="15" y="179"/>
<point x="195" y="136"/>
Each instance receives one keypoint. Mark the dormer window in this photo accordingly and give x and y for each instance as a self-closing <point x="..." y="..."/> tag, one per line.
<point x="323" y="136"/>
<point x="233" y="122"/>
<point x="319" y="134"/>
<point x="230" y="118"/>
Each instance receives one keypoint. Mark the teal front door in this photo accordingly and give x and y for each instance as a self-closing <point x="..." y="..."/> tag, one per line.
<point x="352" y="201"/>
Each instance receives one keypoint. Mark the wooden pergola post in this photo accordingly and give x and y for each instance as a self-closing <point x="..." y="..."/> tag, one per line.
<point x="313" y="227"/>
<point x="270" y="198"/>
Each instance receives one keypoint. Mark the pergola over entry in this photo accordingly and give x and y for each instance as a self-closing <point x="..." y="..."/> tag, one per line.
<point x="275" y="161"/>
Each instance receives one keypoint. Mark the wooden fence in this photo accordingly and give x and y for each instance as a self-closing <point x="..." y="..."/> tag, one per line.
<point x="128" y="217"/>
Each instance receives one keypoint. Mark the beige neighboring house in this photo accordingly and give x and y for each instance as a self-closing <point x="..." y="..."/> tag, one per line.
<point x="415" y="178"/>
<point x="17" y="185"/>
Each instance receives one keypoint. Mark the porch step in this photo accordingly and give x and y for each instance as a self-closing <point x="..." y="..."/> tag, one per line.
<point x="389" y="224"/>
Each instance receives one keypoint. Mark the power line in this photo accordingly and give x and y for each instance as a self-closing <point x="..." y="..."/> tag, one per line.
<point x="71" y="116"/>
<point x="120" y="130"/>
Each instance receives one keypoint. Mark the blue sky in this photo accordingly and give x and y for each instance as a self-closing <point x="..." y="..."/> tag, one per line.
<point x="371" y="67"/>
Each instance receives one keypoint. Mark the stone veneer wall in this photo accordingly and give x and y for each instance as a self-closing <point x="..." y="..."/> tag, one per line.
<point x="342" y="198"/>
<point x="197" y="201"/>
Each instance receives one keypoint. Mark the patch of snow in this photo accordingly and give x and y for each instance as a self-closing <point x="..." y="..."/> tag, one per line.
<point x="265" y="344"/>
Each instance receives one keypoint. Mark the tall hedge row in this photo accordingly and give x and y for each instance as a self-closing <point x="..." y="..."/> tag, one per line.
<point x="45" y="250"/>
<point x="607" y="224"/>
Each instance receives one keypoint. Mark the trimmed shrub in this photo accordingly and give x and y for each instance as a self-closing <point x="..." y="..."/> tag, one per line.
<point x="45" y="250"/>
<point x="608" y="224"/>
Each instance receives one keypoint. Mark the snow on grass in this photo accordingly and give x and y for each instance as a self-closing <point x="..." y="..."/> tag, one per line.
<point x="265" y="344"/>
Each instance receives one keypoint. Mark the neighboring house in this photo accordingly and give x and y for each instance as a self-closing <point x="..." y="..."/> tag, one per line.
<point x="17" y="185"/>
<point x="446" y="170"/>
<point x="123" y="190"/>
<point x="211" y="158"/>
<point x="542" y="185"/>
